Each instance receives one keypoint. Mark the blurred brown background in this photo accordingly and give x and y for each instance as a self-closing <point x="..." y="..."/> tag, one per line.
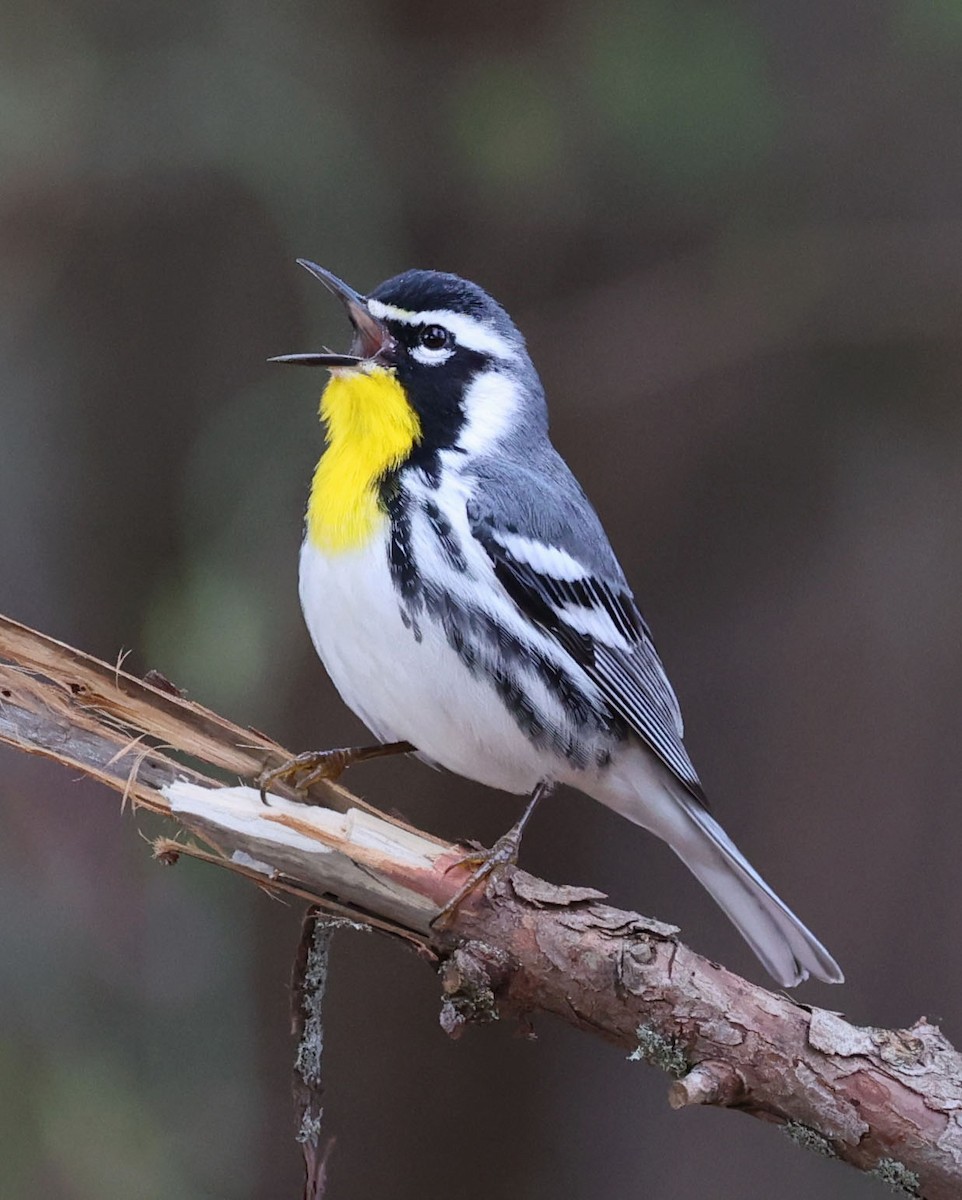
<point x="733" y="235"/>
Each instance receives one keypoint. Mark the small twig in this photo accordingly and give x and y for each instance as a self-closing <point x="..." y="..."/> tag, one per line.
<point x="708" y="1083"/>
<point x="308" y="985"/>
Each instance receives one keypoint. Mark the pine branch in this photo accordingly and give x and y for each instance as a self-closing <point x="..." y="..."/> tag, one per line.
<point x="887" y="1101"/>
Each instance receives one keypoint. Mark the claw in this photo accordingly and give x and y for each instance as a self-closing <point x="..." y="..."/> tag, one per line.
<point x="304" y="770"/>
<point x="504" y="852"/>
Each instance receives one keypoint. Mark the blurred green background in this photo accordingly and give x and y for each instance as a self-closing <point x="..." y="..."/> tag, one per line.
<point x="733" y="235"/>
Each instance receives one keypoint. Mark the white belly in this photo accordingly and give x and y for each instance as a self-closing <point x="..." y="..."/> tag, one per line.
<point x="405" y="689"/>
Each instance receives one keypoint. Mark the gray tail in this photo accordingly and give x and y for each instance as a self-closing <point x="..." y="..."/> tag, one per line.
<point x="788" y="950"/>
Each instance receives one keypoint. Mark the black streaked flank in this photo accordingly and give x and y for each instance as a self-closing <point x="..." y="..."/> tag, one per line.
<point x="448" y="539"/>
<point x="489" y="649"/>
<point x="404" y="572"/>
<point x="636" y="693"/>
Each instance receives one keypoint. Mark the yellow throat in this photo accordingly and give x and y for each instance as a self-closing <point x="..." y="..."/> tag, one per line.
<point x="371" y="429"/>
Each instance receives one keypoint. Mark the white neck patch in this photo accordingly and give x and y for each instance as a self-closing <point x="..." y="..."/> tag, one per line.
<point x="490" y="408"/>
<point x="468" y="331"/>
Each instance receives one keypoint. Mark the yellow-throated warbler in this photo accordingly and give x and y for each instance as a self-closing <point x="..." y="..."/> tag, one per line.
<point x="463" y="596"/>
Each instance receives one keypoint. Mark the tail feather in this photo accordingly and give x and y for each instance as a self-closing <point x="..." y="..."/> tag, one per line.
<point x="788" y="950"/>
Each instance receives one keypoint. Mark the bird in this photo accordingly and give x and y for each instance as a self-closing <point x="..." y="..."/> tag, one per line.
<point x="462" y="595"/>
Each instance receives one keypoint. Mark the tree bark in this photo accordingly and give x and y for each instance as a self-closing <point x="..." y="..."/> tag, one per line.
<point x="887" y="1101"/>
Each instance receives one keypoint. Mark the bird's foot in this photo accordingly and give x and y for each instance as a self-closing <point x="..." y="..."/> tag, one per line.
<point x="503" y="853"/>
<point x="303" y="770"/>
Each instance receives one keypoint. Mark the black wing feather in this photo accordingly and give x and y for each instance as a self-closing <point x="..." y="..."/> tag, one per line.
<point x="632" y="681"/>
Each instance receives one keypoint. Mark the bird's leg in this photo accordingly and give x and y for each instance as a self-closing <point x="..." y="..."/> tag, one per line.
<point x="305" y="769"/>
<point x="504" y="851"/>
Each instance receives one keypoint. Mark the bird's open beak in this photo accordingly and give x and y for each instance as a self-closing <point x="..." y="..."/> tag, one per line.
<point x="372" y="340"/>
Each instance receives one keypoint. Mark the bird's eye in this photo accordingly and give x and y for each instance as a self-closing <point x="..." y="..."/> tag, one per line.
<point x="435" y="337"/>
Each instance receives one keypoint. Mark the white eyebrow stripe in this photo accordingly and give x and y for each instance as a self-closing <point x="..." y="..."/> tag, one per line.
<point x="473" y="334"/>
